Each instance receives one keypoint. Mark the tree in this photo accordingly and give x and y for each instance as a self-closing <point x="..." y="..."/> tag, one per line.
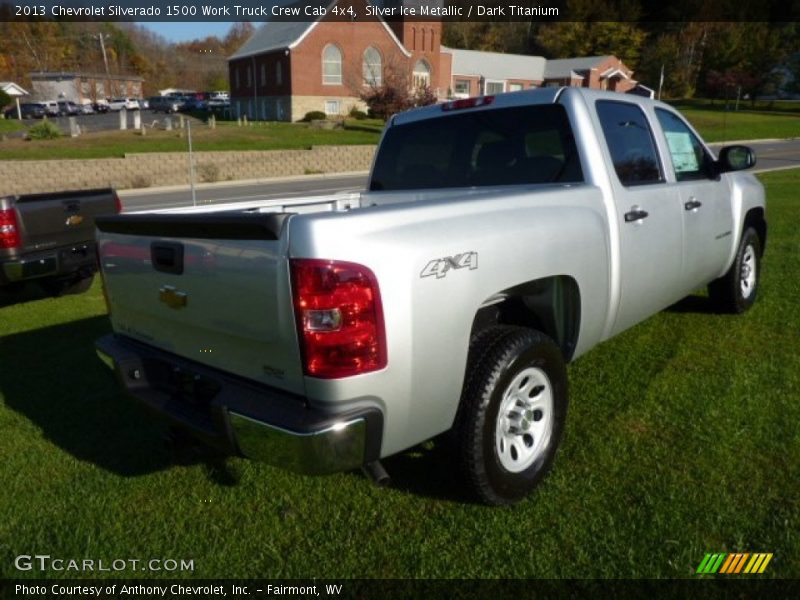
<point x="5" y="99"/>
<point x="238" y="34"/>
<point x="395" y="95"/>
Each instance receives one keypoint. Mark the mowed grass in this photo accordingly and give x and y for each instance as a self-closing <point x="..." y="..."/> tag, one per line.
<point x="682" y="439"/>
<point x="718" y="125"/>
<point x="10" y="126"/>
<point x="226" y="136"/>
<point x="713" y="123"/>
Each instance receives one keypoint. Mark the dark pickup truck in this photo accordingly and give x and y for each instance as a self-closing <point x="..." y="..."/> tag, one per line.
<point x="50" y="238"/>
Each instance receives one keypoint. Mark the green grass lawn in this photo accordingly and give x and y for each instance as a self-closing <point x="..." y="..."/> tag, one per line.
<point x="713" y="123"/>
<point x="717" y="125"/>
<point x="682" y="439"/>
<point x="10" y="126"/>
<point x="227" y="136"/>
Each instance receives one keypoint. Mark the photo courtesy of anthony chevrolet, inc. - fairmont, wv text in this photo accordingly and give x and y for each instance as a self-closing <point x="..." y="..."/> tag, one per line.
<point x="413" y="298"/>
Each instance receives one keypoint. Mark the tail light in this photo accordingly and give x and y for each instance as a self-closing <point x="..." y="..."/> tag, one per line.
<point x="117" y="203"/>
<point x="467" y="103"/>
<point x="9" y="229"/>
<point x="339" y="318"/>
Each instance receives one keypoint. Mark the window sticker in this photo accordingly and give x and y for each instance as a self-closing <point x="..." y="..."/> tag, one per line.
<point x="680" y="147"/>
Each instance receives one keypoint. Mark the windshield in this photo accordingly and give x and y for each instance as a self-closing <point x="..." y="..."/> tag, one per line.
<point x="506" y="146"/>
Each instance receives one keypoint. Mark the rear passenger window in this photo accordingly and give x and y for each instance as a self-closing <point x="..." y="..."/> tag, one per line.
<point x="689" y="158"/>
<point x="630" y="142"/>
<point x="519" y="145"/>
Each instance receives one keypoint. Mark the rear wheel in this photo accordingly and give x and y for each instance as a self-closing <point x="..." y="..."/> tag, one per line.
<point x="512" y="412"/>
<point x="736" y="291"/>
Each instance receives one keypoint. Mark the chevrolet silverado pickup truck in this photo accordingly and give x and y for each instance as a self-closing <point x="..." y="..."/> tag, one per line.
<point x="500" y="238"/>
<point x="49" y="238"/>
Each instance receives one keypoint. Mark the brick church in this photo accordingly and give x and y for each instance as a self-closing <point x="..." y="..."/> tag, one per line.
<point x="287" y="69"/>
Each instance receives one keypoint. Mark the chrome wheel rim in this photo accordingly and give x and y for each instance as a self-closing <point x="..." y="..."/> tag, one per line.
<point x="525" y="420"/>
<point x="747" y="273"/>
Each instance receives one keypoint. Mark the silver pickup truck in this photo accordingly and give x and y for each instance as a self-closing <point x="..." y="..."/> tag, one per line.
<point x="501" y="237"/>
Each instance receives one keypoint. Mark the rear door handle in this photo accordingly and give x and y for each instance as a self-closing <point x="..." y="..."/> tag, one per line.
<point x="692" y="204"/>
<point x="636" y="214"/>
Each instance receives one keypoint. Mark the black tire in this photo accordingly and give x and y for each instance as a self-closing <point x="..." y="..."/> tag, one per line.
<point x="66" y="287"/>
<point x="500" y="359"/>
<point x="736" y="291"/>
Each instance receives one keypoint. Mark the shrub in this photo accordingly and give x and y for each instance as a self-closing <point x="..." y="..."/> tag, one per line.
<point x="358" y="115"/>
<point x="5" y="99"/>
<point x="209" y="172"/>
<point x="44" y="131"/>
<point x="140" y="181"/>
<point x="393" y="97"/>
<point x="314" y="115"/>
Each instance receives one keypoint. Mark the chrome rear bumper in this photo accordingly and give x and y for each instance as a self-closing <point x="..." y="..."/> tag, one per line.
<point x="240" y="417"/>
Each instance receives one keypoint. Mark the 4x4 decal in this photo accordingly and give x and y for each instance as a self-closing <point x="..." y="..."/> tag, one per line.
<point x="441" y="266"/>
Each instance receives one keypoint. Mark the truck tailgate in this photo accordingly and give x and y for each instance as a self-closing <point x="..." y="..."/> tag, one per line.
<point x="63" y="218"/>
<point x="212" y="288"/>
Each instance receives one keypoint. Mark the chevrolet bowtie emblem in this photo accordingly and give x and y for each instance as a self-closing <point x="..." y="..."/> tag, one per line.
<point x="172" y="297"/>
<point x="74" y="220"/>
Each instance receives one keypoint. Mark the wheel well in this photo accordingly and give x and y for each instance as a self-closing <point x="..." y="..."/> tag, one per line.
<point x="755" y="219"/>
<point x="551" y="305"/>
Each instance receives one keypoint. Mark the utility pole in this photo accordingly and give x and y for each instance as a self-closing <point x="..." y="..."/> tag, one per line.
<point x="107" y="87"/>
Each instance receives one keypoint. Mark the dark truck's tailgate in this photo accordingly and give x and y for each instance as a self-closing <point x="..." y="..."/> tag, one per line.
<point x="57" y="219"/>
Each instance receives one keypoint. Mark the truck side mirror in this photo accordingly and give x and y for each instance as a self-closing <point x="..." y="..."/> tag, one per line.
<point x="736" y="158"/>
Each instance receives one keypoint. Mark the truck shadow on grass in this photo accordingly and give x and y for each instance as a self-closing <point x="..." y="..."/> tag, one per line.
<point x="429" y="470"/>
<point x="53" y="378"/>
<point x="694" y="304"/>
<point x="19" y="293"/>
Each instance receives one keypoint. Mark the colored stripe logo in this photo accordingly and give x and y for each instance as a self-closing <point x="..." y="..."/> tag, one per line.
<point x="734" y="563"/>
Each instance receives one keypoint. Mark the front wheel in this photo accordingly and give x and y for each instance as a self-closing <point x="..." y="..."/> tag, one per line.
<point x="736" y="290"/>
<point x="512" y="412"/>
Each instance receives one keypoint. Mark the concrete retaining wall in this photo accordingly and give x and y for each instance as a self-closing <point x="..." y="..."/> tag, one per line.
<point x="168" y="168"/>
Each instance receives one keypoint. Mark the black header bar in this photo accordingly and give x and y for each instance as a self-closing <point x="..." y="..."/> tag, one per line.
<point x="390" y="10"/>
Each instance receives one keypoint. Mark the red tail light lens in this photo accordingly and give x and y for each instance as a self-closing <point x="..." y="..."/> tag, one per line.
<point x="9" y="229"/>
<point x="117" y="203"/>
<point x="339" y="318"/>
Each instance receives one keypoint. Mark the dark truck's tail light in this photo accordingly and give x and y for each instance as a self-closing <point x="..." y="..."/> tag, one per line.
<point x="117" y="203"/>
<point x="9" y="229"/>
<point x="339" y="318"/>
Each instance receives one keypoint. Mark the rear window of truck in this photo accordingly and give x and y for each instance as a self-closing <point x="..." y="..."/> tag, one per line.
<point x="506" y="146"/>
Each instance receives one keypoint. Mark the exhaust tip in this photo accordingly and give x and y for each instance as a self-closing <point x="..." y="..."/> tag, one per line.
<point x="375" y="471"/>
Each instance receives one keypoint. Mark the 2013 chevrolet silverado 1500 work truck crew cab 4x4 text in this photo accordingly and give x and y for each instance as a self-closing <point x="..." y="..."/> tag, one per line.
<point x="49" y="238"/>
<point x="500" y="238"/>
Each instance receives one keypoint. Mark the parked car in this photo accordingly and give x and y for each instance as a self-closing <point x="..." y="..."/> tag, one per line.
<point x="86" y="109"/>
<point x="51" y="108"/>
<point x="29" y="110"/>
<point x="219" y="103"/>
<point x="501" y="238"/>
<point x="127" y="103"/>
<point x="67" y="108"/>
<point x="165" y="104"/>
<point x="101" y="106"/>
<point x="194" y="103"/>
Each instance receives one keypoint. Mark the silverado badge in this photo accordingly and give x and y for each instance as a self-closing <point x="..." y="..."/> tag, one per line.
<point x="74" y="220"/>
